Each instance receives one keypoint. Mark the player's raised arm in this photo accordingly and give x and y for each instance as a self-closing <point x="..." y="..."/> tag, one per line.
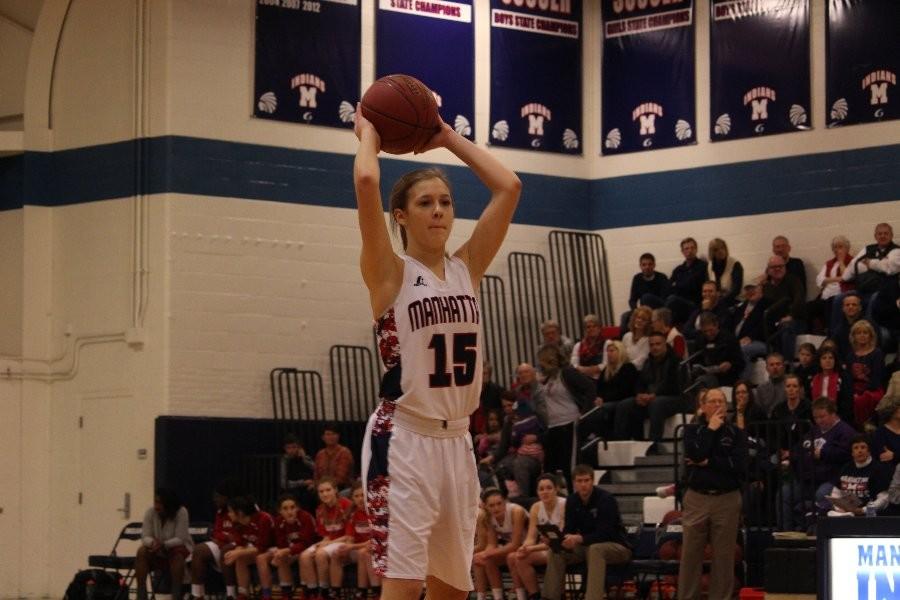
<point x="505" y="187"/>
<point x="381" y="268"/>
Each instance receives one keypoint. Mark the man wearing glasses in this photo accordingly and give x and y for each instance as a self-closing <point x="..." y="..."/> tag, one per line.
<point x="787" y="305"/>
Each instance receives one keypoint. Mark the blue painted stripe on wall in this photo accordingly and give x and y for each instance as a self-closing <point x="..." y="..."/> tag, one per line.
<point x="748" y="188"/>
<point x="216" y="168"/>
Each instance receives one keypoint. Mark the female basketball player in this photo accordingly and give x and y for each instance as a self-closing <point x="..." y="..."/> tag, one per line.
<point x="421" y="483"/>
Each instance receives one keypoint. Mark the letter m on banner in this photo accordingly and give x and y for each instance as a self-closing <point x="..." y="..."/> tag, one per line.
<point x="648" y="124"/>
<point x="308" y="96"/>
<point x="879" y="93"/>
<point x="535" y="124"/>
<point x="760" y="109"/>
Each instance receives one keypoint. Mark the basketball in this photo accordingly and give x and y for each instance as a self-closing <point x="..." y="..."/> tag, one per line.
<point x="403" y="111"/>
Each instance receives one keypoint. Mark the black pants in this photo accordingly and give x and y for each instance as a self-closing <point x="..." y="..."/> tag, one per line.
<point x="559" y="451"/>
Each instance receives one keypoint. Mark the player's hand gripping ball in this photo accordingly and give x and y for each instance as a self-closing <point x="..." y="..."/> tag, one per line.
<point x="403" y="111"/>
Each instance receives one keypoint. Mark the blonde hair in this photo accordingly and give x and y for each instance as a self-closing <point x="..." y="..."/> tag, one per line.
<point x="610" y="371"/>
<point x="648" y="316"/>
<point x="861" y="325"/>
<point x="715" y="244"/>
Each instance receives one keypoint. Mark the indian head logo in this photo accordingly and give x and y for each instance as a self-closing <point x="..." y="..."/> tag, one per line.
<point x="758" y="99"/>
<point x="645" y="115"/>
<point x="537" y="114"/>
<point x="308" y="86"/>
<point x="877" y="84"/>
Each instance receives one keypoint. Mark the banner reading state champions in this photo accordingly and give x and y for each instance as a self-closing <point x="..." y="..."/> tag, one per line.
<point x="863" y="50"/>
<point x="307" y="61"/>
<point x="759" y="67"/>
<point x="648" y="75"/>
<point x="536" y="74"/>
<point x="434" y="41"/>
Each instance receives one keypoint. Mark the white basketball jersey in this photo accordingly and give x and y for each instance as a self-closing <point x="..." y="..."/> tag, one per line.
<point x="430" y="342"/>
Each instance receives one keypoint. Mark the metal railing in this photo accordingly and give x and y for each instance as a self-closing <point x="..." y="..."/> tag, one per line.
<point x="531" y="301"/>
<point x="495" y="325"/>
<point x="297" y="394"/>
<point x="581" y="277"/>
<point x="354" y="382"/>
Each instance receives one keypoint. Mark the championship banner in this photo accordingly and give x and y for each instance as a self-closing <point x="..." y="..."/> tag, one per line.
<point x="434" y="41"/>
<point x="307" y="61"/>
<point x="759" y="68"/>
<point x="648" y="75"/>
<point x="863" y="58"/>
<point x="536" y="74"/>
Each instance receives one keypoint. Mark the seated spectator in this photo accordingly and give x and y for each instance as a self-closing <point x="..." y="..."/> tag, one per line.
<point x="746" y="410"/>
<point x="648" y="288"/>
<point x="687" y="279"/>
<point x="893" y="508"/>
<point x="721" y="360"/>
<point x="787" y="305"/>
<point x="356" y="550"/>
<point x="593" y="534"/>
<point x="223" y="536"/>
<point x="488" y="400"/>
<point x="715" y="454"/>
<point x="874" y="271"/>
<point x="616" y="382"/>
<point x="864" y="478"/>
<point x="294" y="530"/>
<point x="552" y="335"/>
<point x="749" y="325"/>
<point x="832" y="383"/>
<point x="332" y="517"/>
<point x="487" y="441"/>
<point x="550" y="509"/>
<point x="165" y="542"/>
<point x="886" y="439"/>
<point x="524" y="384"/>
<point x="635" y="339"/>
<point x="724" y="271"/>
<point x="296" y="472"/>
<point x="507" y="523"/>
<point x="891" y="398"/>
<point x="253" y="532"/>
<point x="806" y="366"/>
<point x="830" y="281"/>
<point x="851" y="312"/>
<point x="710" y="302"/>
<point x="793" y="415"/>
<point x="516" y="461"/>
<point x="558" y="402"/>
<point x="587" y="354"/>
<point x="782" y="247"/>
<point x="658" y="395"/>
<point x="818" y="459"/>
<point x="334" y="460"/>
<point x="866" y="368"/>
<point x="661" y="322"/>
<point x="770" y="394"/>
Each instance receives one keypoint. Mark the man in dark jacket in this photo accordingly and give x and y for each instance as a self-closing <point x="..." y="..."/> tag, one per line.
<point x="747" y="323"/>
<point x="593" y="534"/>
<point x="658" y="394"/>
<point x="716" y="457"/>
<point x="721" y="360"/>
<point x="787" y="305"/>
<point x="687" y="280"/>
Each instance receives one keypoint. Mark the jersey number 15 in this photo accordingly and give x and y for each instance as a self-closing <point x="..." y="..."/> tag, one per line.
<point x="464" y="360"/>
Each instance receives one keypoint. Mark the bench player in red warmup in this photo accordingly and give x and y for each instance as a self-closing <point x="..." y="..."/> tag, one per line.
<point x="421" y="482"/>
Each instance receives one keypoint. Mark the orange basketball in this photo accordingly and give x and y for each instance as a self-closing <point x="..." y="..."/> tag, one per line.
<point x="403" y="111"/>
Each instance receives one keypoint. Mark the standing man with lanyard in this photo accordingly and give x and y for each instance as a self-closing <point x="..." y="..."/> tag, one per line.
<point x="716" y="456"/>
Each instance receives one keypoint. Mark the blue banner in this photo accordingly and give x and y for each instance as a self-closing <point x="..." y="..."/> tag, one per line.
<point x="307" y="61"/>
<point x="434" y="41"/>
<point x="536" y="75"/>
<point x="759" y="68"/>
<point x="648" y="75"/>
<point x="863" y="48"/>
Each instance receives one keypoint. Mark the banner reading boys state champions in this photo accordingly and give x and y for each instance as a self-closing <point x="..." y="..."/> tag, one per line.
<point x="536" y="75"/>
<point x="434" y="41"/>
<point x="307" y="61"/>
<point x="863" y="50"/>
<point x="648" y="75"/>
<point x="759" y="68"/>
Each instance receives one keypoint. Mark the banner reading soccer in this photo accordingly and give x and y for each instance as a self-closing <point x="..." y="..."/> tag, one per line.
<point x="434" y="41"/>
<point x="648" y="75"/>
<point x="536" y="74"/>
<point x="759" y="67"/>
<point x="863" y="50"/>
<point x="307" y="61"/>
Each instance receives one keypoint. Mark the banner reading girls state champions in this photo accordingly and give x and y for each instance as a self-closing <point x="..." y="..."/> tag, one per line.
<point x="759" y="67"/>
<point x="648" y="75"/>
<point x="536" y="74"/>
<point x="863" y="61"/>
<point x="307" y="61"/>
<point x="434" y="41"/>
